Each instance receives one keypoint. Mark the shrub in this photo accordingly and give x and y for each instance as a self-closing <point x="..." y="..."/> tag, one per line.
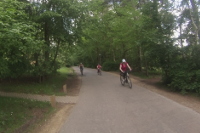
<point x="110" y="66"/>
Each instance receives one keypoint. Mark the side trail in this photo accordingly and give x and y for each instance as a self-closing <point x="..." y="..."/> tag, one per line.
<point x="60" y="99"/>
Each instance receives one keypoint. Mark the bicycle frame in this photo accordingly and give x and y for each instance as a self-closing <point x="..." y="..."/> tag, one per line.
<point x="99" y="71"/>
<point x="81" y="71"/>
<point x="126" y="79"/>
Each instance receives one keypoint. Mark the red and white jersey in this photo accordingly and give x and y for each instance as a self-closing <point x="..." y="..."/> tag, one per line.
<point x="124" y="66"/>
<point x="98" y="66"/>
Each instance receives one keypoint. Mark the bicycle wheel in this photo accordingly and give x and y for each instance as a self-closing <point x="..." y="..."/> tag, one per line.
<point x="122" y="79"/>
<point x="81" y="71"/>
<point x="129" y="82"/>
<point x="99" y="72"/>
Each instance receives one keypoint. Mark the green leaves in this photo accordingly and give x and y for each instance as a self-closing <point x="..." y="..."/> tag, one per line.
<point x="17" y="39"/>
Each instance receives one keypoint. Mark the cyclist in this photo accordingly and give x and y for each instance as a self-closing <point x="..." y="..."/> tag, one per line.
<point x="81" y="66"/>
<point x="124" y="66"/>
<point x="98" y="68"/>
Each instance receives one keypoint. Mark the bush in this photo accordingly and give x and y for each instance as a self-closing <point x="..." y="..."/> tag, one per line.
<point x="186" y="81"/>
<point x="181" y="71"/>
<point x="183" y="77"/>
<point x="110" y="66"/>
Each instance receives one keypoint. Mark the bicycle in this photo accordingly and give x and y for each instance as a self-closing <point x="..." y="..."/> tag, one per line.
<point x="126" y="80"/>
<point x="81" y="71"/>
<point x="99" y="72"/>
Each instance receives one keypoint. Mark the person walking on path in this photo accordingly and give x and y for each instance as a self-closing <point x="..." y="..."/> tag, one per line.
<point x="81" y="66"/>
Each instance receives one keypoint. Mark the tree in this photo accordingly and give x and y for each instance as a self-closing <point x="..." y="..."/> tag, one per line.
<point x="59" y="23"/>
<point x="17" y="39"/>
<point x="32" y="35"/>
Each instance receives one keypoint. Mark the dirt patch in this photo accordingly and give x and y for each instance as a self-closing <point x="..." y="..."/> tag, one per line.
<point x="56" y="120"/>
<point x="73" y="85"/>
<point x="37" y="114"/>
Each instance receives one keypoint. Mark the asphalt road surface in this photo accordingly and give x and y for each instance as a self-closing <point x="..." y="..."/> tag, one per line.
<point x="105" y="106"/>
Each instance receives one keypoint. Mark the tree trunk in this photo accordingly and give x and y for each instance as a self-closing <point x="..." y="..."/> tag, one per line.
<point x="114" y="58"/>
<point x="146" y="66"/>
<point x="195" y="19"/>
<point x="140" y="59"/>
<point x="36" y="55"/>
<point x="46" y="36"/>
<point x="56" y="54"/>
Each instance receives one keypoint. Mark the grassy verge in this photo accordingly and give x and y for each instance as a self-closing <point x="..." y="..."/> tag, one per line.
<point x="51" y="86"/>
<point x="16" y="112"/>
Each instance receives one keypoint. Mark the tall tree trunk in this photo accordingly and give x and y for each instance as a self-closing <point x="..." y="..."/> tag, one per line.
<point x="123" y="51"/>
<point x="181" y="39"/>
<point x="146" y="66"/>
<point x="114" y="58"/>
<point x="46" y="37"/>
<point x="56" y="54"/>
<point x="139" y="59"/>
<point x="195" y="19"/>
<point x="36" y="55"/>
<point x="196" y="16"/>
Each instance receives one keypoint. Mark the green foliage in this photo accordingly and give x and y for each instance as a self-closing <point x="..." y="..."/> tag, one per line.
<point x="17" y="39"/>
<point x="110" y="66"/>
<point x="183" y="72"/>
<point x="15" y="112"/>
<point x="51" y="86"/>
<point x="185" y="81"/>
<point x="66" y="32"/>
<point x="32" y="36"/>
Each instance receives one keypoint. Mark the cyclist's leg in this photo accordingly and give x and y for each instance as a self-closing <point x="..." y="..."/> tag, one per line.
<point x="81" y="71"/>
<point x="122" y="78"/>
<point x="124" y="74"/>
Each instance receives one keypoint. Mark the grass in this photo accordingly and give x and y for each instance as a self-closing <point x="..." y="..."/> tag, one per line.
<point x="51" y="86"/>
<point x="16" y="111"/>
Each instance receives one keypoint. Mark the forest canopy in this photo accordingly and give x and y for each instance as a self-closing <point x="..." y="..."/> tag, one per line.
<point x="39" y="36"/>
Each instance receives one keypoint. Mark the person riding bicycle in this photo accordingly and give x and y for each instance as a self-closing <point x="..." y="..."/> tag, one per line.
<point x="81" y="66"/>
<point x="124" y="66"/>
<point x="98" y="68"/>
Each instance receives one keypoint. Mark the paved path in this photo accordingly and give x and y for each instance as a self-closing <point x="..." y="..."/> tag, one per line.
<point x="104" y="106"/>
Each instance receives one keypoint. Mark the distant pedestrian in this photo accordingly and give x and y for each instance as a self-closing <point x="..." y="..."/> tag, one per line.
<point x="81" y="66"/>
<point x="99" y="69"/>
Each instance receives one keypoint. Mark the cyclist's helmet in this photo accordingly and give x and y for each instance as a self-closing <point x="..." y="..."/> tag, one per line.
<point x="123" y="60"/>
